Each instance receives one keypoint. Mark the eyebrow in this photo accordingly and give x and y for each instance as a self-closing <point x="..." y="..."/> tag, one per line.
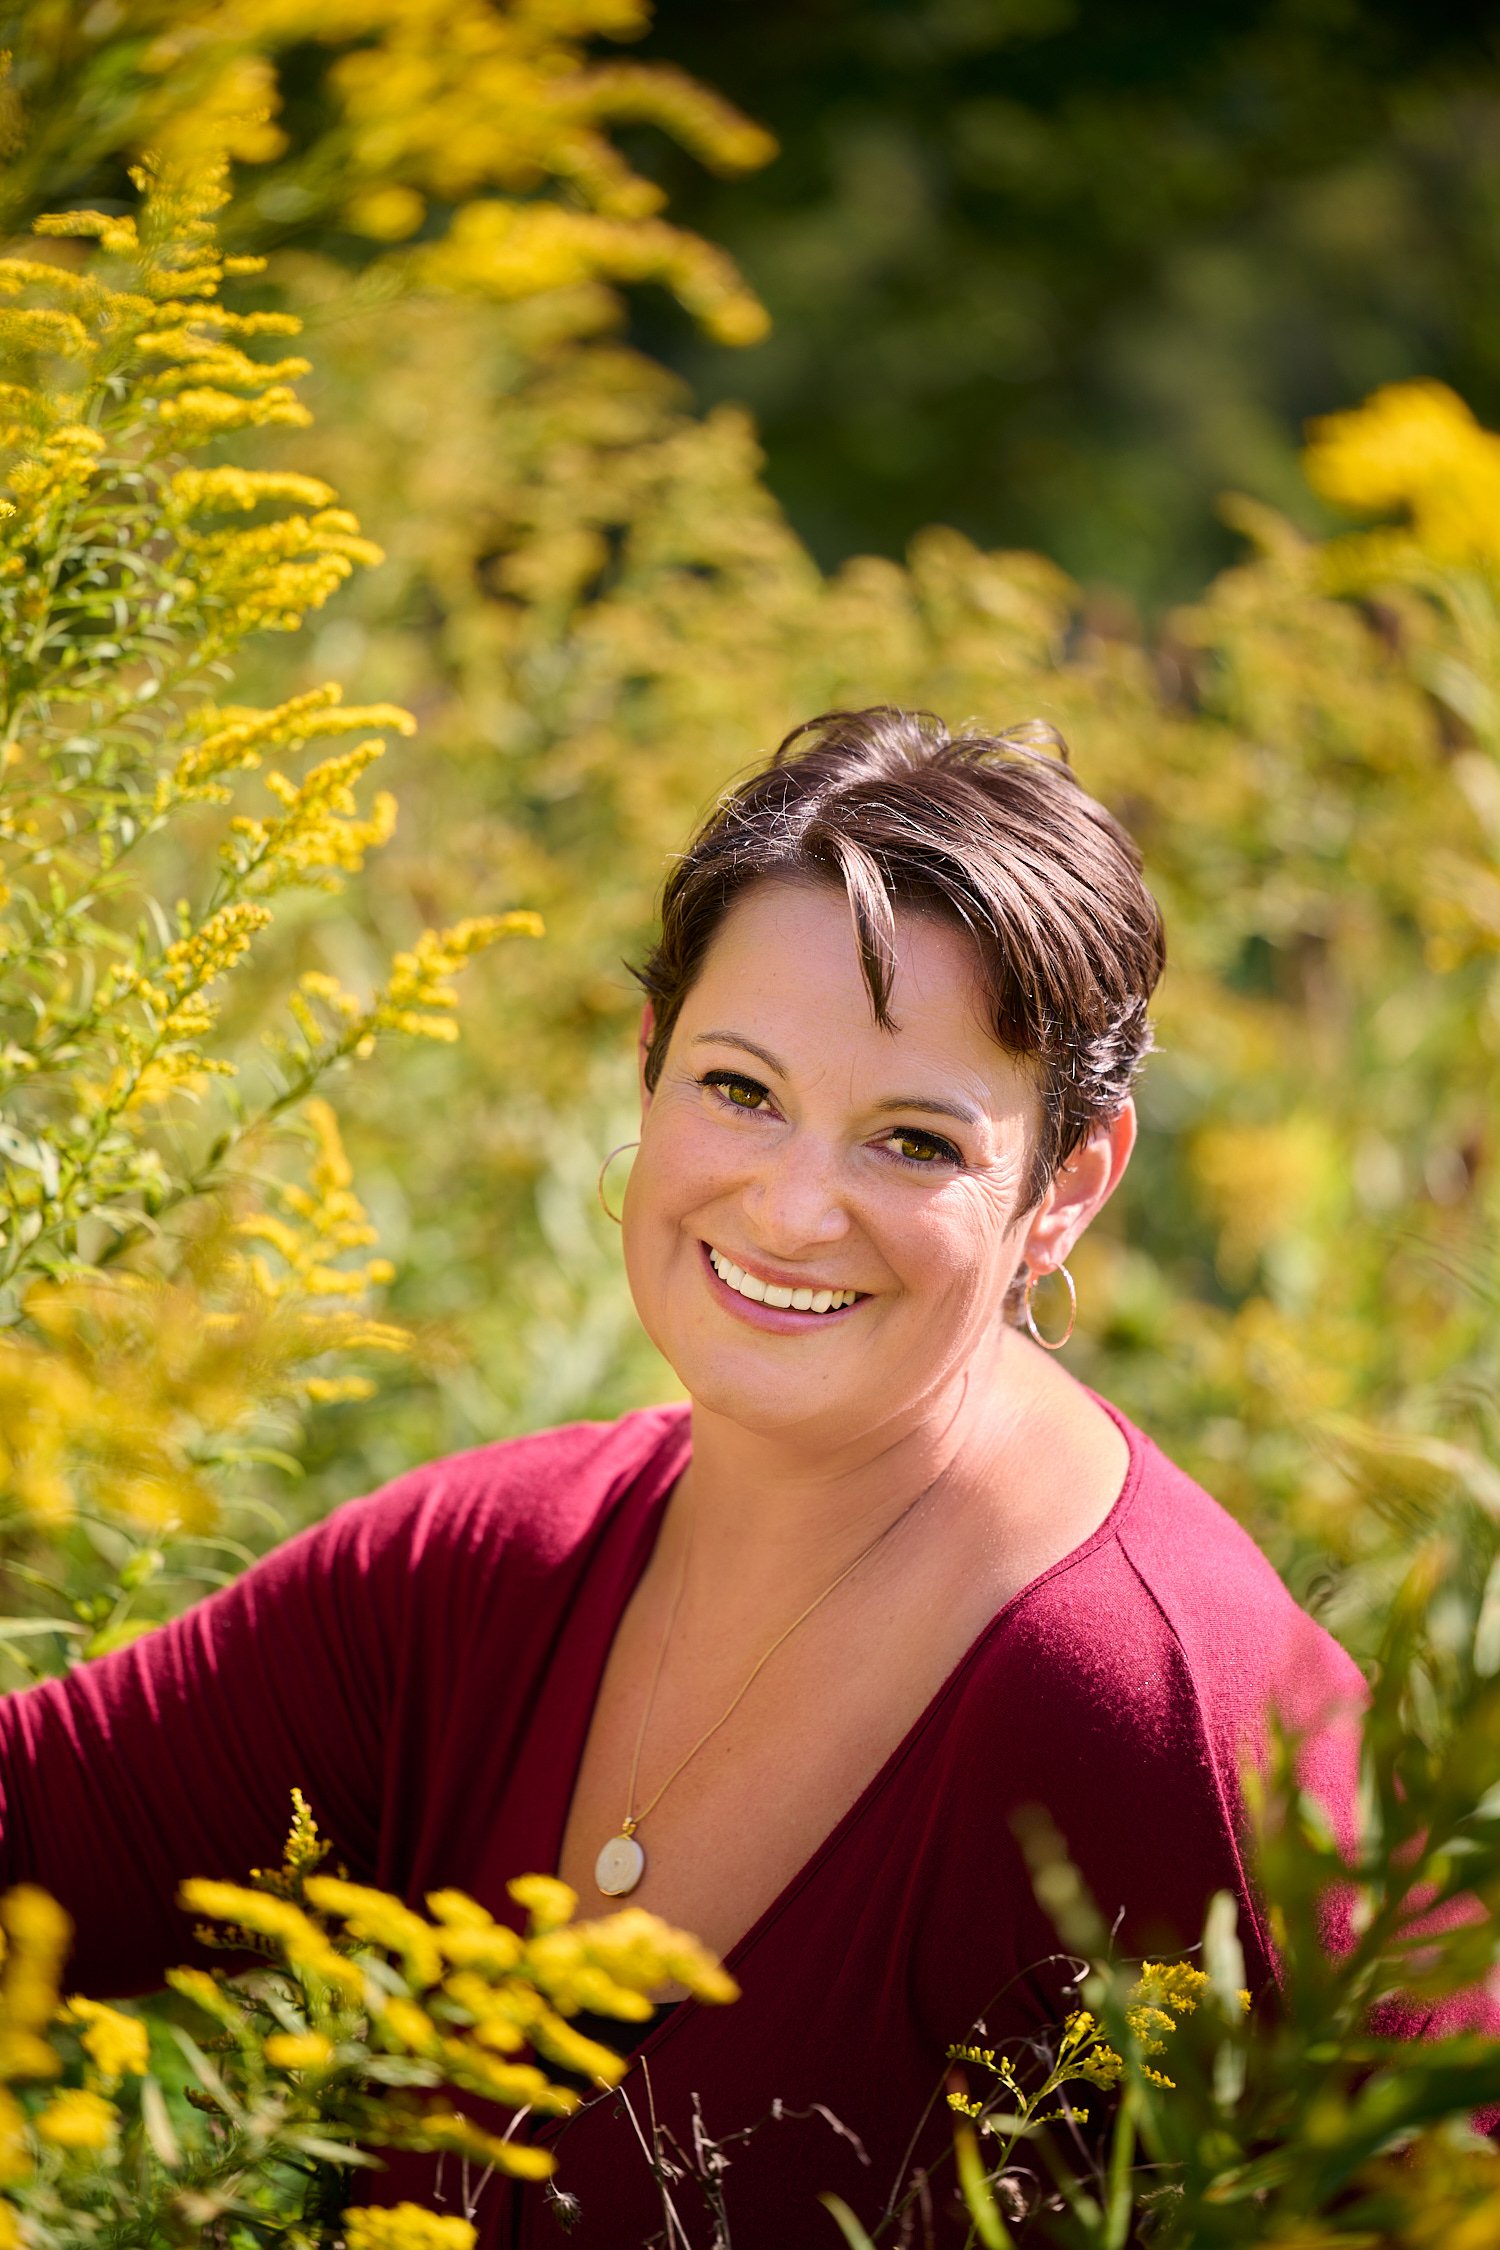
<point x="927" y="1104"/>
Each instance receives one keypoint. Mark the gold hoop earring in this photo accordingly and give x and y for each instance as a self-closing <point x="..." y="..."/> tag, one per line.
<point x="1029" y="1316"/>
<point x="604" y="1167"/>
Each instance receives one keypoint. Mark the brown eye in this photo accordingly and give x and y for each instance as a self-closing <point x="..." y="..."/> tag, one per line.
<point x="924" y="1149"/>
<point x="742" y="1093"/>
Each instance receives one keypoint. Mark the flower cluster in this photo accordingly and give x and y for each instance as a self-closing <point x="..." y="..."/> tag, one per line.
<point x="1415" y="448"/>
<point x="430" y="115"/>
<point x="364" y="2022"/>
<point x="177" y="1296"/>
<point x="461" y="2000"/>
<point x="48" y="2132"/>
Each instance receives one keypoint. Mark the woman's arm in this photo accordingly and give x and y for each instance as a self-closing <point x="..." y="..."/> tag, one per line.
<point x="177" y="1756"/>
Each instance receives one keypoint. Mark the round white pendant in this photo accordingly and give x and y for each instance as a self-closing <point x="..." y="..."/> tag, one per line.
<point x="619" y="1866"/>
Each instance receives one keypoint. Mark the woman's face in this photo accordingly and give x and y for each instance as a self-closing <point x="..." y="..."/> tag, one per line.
<point x="791" y="1144"/>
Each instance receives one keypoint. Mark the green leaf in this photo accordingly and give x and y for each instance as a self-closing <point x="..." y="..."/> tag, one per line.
<point x="979" y="2201"/>
<point x="850" y="2228"/>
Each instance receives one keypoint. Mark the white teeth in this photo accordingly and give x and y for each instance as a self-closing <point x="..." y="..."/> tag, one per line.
<point x="776" y="1293"/>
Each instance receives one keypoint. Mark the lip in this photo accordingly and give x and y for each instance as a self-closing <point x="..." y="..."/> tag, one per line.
<point x="772" y="1319"/>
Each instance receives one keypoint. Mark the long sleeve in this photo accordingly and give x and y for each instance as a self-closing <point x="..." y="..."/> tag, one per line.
<point x="422" y="1664"/>
<point x="176" y="1756"/>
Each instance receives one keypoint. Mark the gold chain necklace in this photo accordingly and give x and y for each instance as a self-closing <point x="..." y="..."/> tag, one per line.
<point x="622" y="1861"/>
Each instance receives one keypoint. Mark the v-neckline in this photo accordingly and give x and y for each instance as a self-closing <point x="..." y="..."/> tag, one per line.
<point x="660" y="1475"/>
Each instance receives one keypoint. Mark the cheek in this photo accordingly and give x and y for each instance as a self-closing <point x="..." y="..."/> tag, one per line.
<point x="684" y="1163"/>
<point x="682" y="1152"/>
<point x="966" y="1246"/>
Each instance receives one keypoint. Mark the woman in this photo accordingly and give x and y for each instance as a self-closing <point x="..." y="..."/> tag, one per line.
<point x="786" y="1666"/>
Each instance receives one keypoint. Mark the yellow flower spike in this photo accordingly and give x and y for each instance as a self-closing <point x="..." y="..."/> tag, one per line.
<point x="78" y="2119"/>
<point x="459" y="1912"/>
<point x="15" y="2156"/>
<point x="1413" y="447"/>
<point x="493" y="1952"/>
<point x="37" y="1933"/>
<point x="336" y="1390"/>
<point x="304" y="1848"/>
<point x="208" y="1993"/>
<point x="211" y="952"/>
<point x="117" y="2045"/>
<point x="381" y="1920"/>
<point x="556" y="2039"/>
<point x="36" y="1928"/>
<point x="1178" y="1986"/>
<point x="474" y="2069"/>
<point x="199" y="489"/>
<point x="406" y="2226"/>
<point x="299" y="1939"/>
<point x="408" y="2024"/>
<point x="451" y="2131"/>
<point x="112" y="233"/>
<point x="298" y="2050"/>
<point x="548" y="1902"/>
<point x="494" y="2027"/>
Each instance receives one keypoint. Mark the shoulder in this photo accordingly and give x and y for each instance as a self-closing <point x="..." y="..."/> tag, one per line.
<point x="1128" y="1688"/>
<point x="1170" y="1627"/>
<point x="524" y="1501"/>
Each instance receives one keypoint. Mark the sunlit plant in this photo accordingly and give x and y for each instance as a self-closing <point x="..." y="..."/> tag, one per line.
<point x="358" y="2025"/>
<point x="170" y="1299"/>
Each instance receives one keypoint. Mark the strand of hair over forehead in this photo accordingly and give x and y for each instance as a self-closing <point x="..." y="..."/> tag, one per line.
<point x="877" y="763"/>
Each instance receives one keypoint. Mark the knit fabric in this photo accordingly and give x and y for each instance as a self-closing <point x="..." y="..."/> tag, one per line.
<point x="424" y="1664"/>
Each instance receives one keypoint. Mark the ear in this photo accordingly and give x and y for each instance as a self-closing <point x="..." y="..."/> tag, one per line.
<point x="1079" y="1189"/>
<point x="643" y="1048"/>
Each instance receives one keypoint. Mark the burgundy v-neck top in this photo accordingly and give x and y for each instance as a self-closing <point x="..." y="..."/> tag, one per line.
<point x="424" y="1664"/>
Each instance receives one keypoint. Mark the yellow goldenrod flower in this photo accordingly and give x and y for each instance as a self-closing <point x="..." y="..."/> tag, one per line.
<point x="116" y="2044"/>
<point x="450" y="2130"/>
<point x="1416" y="448"/>
<point x="208" y="1993"/>
<point x="227" y="487"/>
<point x="78" y="2118"/>
<point x="37" y="1933"/>
<point x="410" y="2026"/>
<point x="286" y="1925"/>
<point x="548" y="1903"/>
<point x="380" y="1920"/>
<point x="406" y="2226"/>
<point x="15" y="2156"/>
<point x="298" y="2050"/>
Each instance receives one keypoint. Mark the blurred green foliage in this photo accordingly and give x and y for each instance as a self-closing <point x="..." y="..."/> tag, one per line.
<point x="1058" y="271"/>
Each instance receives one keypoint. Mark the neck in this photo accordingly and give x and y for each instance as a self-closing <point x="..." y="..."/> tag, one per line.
<point x="782" y="1506"/>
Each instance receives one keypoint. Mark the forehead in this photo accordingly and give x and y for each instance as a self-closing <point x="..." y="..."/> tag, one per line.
<point x="784" y="970"/>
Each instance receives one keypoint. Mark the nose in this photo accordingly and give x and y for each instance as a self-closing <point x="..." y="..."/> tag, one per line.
<point x="795" y="1199"/>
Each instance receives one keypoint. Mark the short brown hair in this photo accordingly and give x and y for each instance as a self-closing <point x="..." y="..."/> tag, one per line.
<point x="991" y="832"/>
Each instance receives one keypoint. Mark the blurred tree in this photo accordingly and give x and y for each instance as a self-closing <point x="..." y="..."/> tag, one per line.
<point x="1058" y="271"/>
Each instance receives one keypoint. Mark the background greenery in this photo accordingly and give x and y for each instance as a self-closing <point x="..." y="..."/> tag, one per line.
<point x="1060" y="271"/>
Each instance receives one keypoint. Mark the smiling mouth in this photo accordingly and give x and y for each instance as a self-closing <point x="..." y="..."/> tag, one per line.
<point x="779" y="1296"/>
